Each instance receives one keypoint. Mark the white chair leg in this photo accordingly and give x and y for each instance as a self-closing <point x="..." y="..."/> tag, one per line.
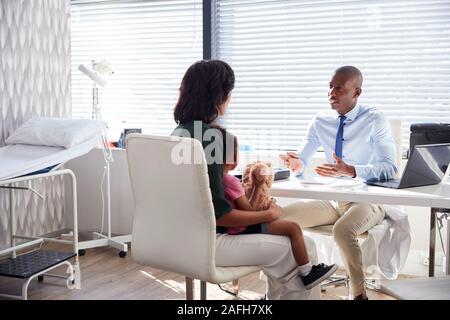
<point x="189" y="288"/>
<point x="202" y="290"/>
<point x="235" y="286"/>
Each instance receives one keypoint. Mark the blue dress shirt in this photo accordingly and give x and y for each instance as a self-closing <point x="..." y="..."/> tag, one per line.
<point x="368" y="144"/>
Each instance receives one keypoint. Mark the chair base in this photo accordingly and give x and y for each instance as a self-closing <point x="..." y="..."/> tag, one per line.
<point x="335" y="280"/>
<point x="190" y="288"/>
<point x="371" y="283"/>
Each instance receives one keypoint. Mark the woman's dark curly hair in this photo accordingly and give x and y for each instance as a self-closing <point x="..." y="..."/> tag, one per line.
<point x="206" y="85"/>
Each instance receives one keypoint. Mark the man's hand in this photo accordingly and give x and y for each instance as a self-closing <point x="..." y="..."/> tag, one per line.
<point x="292" y="161"/>
<point x="339" y="169"/>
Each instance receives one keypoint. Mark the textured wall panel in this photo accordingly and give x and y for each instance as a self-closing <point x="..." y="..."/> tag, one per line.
<point x="34" y="81"/>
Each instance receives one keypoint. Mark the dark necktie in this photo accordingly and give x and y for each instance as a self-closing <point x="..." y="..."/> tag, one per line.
<point x="339" y="137"/>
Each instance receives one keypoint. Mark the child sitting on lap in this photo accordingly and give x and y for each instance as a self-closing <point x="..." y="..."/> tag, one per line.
<point x="311" y="275"/>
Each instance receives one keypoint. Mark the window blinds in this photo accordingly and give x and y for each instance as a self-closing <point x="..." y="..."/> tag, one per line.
<point x="149" y="44"/>
<point x="285" y="51"/>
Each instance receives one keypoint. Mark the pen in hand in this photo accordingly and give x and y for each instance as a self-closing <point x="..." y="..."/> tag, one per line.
<point x="292" y="155"/>
<point x="292" y="161"/>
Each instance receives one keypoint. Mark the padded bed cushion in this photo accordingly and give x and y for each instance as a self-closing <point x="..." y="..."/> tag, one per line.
<point x="21" y="159"/>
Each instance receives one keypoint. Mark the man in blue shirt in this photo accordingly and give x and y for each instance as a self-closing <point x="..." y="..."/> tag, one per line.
<point x="358" y="143"/>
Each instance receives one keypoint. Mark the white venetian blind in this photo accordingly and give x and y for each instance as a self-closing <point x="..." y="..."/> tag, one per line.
<point x="150" y="44"/>
<point x="284" y="52"/>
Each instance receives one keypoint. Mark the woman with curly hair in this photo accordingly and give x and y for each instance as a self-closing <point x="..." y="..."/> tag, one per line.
<point x="205" y="94"/>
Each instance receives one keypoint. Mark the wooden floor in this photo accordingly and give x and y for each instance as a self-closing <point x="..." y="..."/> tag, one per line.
<point x="105" y="276"/>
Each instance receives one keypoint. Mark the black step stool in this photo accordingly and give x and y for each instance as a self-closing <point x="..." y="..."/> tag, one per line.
<point x="36" y="264"/>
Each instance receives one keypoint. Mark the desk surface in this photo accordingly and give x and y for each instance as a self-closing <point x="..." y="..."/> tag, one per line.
<point x="437" y="196"/>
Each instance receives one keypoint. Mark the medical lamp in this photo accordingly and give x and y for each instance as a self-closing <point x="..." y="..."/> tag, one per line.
<point x="96" y="73"/>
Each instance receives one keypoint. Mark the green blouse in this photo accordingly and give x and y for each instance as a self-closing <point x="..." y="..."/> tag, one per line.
<point x="215" y="170"/>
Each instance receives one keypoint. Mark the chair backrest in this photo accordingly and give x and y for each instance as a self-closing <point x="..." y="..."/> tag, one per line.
<point x="396" y="128"/>
<point x="174" y="225"/>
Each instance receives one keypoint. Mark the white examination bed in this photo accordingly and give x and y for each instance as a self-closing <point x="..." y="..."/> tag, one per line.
<point x="20" y="164"/>
<point x="21" y="159"/>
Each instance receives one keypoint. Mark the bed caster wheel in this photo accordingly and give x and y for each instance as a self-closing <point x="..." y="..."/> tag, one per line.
<point x="81" y="252"/>
<point x="122" y="254"/>
<point x="40" y="278"/>
<point x="70" y="283"/>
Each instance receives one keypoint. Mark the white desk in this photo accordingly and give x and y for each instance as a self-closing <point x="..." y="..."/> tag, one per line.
<point x="437" y="197"/>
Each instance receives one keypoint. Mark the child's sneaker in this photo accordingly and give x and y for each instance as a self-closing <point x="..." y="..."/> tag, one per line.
<point x="318" y="273"/>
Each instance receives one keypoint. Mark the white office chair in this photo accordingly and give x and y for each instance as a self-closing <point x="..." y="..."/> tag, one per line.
<point x="327" y="230"/>
<point x="174" y="225"/>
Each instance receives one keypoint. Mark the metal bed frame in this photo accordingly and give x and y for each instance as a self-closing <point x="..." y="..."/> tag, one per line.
<point x="73" y="280"/>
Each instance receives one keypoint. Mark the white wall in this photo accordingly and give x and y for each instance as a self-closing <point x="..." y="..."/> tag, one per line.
<point x="34" y="81"/>
<point x="89" y="170"/>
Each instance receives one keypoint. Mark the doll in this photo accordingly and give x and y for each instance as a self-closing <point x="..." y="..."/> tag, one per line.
<point x="257" y="180"/>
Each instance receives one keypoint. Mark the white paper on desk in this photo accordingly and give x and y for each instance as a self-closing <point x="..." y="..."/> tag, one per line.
<point x="316" y="180"/>
<point x="330" y="181"/>
<point x="346" y="183"/>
